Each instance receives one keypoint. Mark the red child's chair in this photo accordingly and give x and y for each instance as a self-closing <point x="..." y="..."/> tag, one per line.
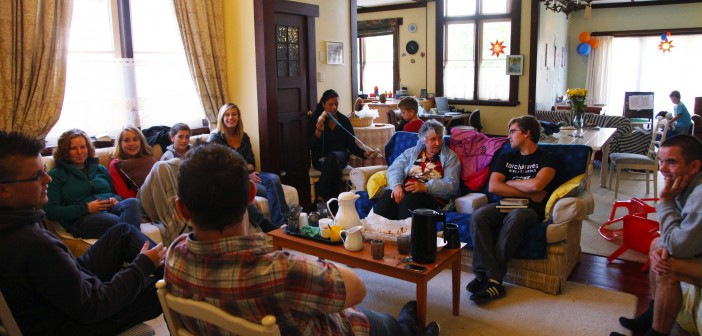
<point x="636" y="206"/>
<point x="637" y="231"/>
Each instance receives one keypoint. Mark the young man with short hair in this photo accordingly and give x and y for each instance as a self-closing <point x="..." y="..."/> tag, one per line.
<point x="103" y="292"/>
<point x="220" y="263"/>
<point x="524" y="172"/>
<point x="677" y="254"/>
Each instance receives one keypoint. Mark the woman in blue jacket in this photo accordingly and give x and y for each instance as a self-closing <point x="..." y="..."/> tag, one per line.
<point x="81" y="195"/>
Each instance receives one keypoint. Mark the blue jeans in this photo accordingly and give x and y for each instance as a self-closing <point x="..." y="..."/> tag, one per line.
<point x="271" y="188"/>
<point x="120" y="244"/>
<point x="92" y="226"/>
<point x="384" y="324"/>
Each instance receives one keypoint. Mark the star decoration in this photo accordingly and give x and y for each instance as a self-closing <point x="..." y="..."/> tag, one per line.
<point x="497" y="48"/>
<point x="666" y="45"/>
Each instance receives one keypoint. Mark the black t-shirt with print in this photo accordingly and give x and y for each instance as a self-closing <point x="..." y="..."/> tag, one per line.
<point x="515" y="166"/>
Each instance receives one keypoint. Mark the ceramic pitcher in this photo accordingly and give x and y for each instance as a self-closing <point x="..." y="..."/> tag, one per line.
<point x="352" y="238"/>
<point x="347" y="216"/>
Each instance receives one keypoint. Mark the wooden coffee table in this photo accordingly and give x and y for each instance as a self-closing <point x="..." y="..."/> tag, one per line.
<point x="390" y="265"/>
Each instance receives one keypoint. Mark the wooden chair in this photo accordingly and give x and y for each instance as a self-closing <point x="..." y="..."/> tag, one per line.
<point x="648" y="163"/>
<point x="8" y="326"/>
<point x="315" y="174"/>
<point x="174" y="306"/>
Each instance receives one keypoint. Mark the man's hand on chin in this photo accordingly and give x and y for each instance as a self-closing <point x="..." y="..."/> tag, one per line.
<point x="673" y="186"/>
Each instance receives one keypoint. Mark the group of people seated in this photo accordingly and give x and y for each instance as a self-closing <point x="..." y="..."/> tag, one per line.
<point x="111" y="287"/>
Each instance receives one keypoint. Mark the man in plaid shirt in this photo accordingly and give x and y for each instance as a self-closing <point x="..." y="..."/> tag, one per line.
<point x="219" y="263"/>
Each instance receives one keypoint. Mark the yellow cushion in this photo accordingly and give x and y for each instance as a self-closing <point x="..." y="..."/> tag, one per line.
<point x="566" y="189"/>
<point x="376" y="183"/>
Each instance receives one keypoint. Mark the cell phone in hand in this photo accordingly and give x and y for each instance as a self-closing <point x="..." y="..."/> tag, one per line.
<point x="415" y="268"/>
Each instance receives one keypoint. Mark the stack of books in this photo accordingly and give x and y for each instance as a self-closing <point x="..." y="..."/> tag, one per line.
<point x="509" y="204"/>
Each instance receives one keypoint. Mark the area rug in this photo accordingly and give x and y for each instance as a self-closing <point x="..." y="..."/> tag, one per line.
<point x="591" y="242"/>
<point x="580" y="310"/>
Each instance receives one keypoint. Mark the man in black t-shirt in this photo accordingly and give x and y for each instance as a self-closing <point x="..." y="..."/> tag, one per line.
<point x="523" y="172"/>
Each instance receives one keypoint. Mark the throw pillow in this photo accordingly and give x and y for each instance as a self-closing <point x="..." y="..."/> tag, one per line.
<point x="134" y="171"/>
<point x="376" y="183"/>
<point x="570" y="188"/>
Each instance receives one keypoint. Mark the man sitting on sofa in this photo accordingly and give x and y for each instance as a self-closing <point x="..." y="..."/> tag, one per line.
<point x="676" y="254"/>
<point x="523" y="172"/>
<point x="219" y="263"/>
<point x="103" y="292"/>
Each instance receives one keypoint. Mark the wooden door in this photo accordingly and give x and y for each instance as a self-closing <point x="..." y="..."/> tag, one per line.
<point x="287" y="90"/>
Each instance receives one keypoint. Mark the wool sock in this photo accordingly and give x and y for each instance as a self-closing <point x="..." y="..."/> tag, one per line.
<point x="642" y="322"/>
<point x="651" y="332"/>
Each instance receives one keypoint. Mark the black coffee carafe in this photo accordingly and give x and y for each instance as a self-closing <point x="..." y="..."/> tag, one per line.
<point x="424" y="234"/>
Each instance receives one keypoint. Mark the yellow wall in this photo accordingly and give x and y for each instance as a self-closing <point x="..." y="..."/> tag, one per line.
<point x="623" y="19"/>
<point x="333" y="24"/>
<point x="422" y="74"/>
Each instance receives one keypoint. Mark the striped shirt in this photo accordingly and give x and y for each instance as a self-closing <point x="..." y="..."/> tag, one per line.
<point x="243" y="276"/>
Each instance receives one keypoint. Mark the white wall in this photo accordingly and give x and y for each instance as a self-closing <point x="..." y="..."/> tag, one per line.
<point x="550" y="79"/>
<point x="622" y="19"/>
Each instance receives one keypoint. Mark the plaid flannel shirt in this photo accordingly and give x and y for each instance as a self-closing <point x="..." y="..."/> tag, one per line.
<point x="243" y="276"/>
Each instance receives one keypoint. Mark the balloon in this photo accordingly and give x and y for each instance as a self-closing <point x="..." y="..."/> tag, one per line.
<point x="594" y="43"/>
<point x="584" y="49"/>
<point x="664" y="36"/>
<point x="584" y="37"/>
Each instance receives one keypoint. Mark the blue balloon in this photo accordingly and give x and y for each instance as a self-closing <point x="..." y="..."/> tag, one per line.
<point x="584" y="49"/>
<point x="664" y="36"/>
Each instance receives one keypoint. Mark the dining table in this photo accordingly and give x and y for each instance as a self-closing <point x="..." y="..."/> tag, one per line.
<point x="597" y="138"/>
<point x="374" y="136"/>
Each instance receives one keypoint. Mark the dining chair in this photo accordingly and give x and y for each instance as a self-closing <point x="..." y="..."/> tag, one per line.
<point x="647" y="163"/>
<point x="8" y="326"/>
<point x="315" y="174"/>
<point x="174" y="307"/>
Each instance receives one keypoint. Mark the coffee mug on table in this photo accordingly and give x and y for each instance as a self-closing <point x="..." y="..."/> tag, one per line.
<point x="377" y="248"/>
<point x="334" y="233"/>
<point x="451" y="236"/>
<point x="404" y="244"/>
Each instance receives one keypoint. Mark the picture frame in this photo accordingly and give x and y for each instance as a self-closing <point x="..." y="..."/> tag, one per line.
<point x="515" y="65"/>
<point x="423" y="93"/>
<point x="335" y="52"/>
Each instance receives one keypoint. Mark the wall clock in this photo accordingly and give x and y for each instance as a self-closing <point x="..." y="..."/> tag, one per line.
<point x="412" y="47"/>
<point x="412" y="27"/>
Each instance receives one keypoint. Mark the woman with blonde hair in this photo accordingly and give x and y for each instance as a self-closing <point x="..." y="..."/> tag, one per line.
<point x="81" y="195"/>
<point x="133" y="159"/>
<point x="230" y="132"/>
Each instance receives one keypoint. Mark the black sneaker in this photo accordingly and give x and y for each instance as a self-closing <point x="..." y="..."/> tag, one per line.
<point x="432" y="329"/>
<point x="475" y="285"/>
<point x="493" y="290"/>
<point x="408" y="313"/>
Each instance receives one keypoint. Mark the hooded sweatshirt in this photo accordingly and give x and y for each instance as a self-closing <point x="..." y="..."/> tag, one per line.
<point x="46" y="288"/>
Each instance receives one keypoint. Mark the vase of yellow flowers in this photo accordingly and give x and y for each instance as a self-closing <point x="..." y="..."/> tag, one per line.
<point x="577" y="100"/>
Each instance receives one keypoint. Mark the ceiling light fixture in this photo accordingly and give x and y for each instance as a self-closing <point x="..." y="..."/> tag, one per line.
<point x="568" y="6"/>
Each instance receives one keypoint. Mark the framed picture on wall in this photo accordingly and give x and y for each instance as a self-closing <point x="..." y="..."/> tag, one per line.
<point x="335" y="52"/>
<point x="422" y="93"/>
<point x="515" y="65"/>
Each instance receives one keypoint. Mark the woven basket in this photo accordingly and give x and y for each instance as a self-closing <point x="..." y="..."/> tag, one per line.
<point x="361" y="122"/>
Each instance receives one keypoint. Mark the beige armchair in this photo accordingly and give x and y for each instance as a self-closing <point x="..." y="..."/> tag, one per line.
<point x="562" y="237"/>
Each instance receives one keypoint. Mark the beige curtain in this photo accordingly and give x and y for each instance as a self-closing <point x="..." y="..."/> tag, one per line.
<point x="33" y="50"/>
<point x="202" y="30"/>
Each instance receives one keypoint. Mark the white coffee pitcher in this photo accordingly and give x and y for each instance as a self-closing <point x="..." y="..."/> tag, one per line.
<point x="352" y="238"/>
<point x="347" y="216"/>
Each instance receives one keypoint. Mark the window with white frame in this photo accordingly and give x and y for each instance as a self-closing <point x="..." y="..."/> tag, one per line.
<point x="471" y="71"/>
<point x="638" y="64"/>
<point x="376" y="63"/>
<point x="118" y="76"/>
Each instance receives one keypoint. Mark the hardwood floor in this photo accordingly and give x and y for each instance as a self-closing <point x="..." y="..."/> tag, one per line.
<point x="619" y="275"/>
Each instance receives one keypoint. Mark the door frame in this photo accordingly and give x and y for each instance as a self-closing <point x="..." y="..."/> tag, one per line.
<point x="266" y="75"/>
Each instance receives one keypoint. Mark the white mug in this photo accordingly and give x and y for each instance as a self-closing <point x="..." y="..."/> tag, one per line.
<point x="325" y="222"/>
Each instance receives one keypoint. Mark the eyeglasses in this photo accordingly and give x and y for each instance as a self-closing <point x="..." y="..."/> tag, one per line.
<point x="34" y="178"/>
<point x="512" y="131"/>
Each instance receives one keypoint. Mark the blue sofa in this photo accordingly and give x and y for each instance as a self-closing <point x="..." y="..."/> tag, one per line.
<point x="549" y="251"/>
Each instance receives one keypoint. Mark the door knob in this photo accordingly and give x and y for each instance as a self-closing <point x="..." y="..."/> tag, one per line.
<point x="309" y="113"/>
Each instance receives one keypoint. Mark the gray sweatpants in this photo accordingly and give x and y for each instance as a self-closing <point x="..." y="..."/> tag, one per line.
<point x="496" y="236"/>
